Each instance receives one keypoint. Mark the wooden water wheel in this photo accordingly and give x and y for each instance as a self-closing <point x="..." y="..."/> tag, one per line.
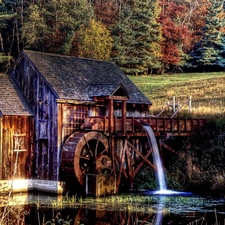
<point x="85" y="153"/>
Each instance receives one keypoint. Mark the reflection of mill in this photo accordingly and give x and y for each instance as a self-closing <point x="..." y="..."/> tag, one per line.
<point x="102" y="217"/>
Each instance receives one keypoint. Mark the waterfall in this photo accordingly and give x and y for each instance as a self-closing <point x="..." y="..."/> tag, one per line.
<point x="156" y="158"/>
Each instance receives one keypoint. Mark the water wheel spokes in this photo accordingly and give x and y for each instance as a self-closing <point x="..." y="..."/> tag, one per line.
<point x="88" y="147"/>
<point x="88" y="150"/>
<point x="85" y="169"/>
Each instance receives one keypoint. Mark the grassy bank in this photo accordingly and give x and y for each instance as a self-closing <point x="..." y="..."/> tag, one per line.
<point x="207" y="91"/>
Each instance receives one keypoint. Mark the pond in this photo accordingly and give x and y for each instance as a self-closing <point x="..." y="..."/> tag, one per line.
<point x="132" y="208"/>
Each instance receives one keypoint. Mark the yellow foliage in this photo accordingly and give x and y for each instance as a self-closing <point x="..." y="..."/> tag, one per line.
<point x="95" y="41"/>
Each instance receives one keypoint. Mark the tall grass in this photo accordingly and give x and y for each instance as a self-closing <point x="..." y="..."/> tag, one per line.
<point x="206" y="89"/>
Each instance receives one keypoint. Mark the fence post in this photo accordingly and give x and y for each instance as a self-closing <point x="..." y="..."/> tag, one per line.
<point x="189" y="104"/>
<point x="174" y="104"/>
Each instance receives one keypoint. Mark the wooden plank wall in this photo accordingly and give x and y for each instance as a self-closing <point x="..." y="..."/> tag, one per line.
<point x="12" y="125"/>
<point x="43" y="101"/>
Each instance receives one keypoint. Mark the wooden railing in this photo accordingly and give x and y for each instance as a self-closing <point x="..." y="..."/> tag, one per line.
<point x="176" y="126"/>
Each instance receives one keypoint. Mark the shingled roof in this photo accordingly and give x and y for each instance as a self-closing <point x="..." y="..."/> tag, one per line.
<point x="71" y="77"/>
<point x="12" y="101"/>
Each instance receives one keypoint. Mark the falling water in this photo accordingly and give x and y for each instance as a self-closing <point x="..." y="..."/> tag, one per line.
<point x="156" y="158"/>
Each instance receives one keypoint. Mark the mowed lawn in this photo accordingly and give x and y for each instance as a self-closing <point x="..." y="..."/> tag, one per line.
<point x="207" y="91"/>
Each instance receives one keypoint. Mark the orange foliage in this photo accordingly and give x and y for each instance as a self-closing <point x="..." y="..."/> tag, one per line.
<point x="181" y="24"/>
<point x="106" y="11"/>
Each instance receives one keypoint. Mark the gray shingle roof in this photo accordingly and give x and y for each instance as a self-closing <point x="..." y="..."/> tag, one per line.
<point x="12" y="101"/>
<point x="71" y="78"/>
<point x="99" y="90"/>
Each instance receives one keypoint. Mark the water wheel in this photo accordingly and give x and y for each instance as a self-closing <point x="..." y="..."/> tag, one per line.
<point x="85" y="153"/>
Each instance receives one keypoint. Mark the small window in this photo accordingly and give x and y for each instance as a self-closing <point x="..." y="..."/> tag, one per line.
<point x="73" y="118"/>
<point x="19" y="142"/>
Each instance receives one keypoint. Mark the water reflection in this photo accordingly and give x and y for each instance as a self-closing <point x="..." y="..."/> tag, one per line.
<point x="114" y="210"/>
<point x="160" y="209"/>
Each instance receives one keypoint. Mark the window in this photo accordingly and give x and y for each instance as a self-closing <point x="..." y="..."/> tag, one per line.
<point x="73" y="118"/>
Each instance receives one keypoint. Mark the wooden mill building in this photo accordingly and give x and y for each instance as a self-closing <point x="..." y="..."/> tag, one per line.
<point x="44" y="99"/>
<point x="67" y="120"/>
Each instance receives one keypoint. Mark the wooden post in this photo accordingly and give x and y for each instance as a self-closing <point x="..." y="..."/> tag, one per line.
<point x="121" y="166"/>
<point x="60" y="140"/>
<point x="174" y="104"/>
<point x="112" y="147"/>
<point x="189" y="104"/>
<point x="124" y="109"/>
<point x="110" y="112"/>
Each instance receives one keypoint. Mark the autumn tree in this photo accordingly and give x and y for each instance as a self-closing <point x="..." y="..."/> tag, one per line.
<point x="177" y="34"/>
<point x="95" y="41"/>
<point x="106" y="11"/>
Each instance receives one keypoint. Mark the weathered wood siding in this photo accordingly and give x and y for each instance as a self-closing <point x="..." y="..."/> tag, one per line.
<point x="16" y="135"/>
<point x="43" y="101"/>
<point x="73" y="117"/>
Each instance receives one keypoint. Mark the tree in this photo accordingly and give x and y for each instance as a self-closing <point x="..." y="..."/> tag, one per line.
<point x="53" y="25"/>
<point x="210" y="51"/>
<point x="137" y="38"/>
<point x="6" y="17"/>
<point x="106" y="11"/>
<point x="35" y="31"/>
<point x="95" y="41"/>
<point x="177" y="35"/>
<point x="68" y="17"/>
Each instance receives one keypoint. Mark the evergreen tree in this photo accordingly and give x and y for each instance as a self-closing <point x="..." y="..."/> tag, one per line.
<point x="137" y="38"/>
<point x="210" y="51"/>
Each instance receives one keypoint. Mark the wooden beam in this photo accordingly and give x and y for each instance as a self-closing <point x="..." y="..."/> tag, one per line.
<point x="128" y="164"/>
<point x="124" y="111"/>
<point x="119" y="161"/>
<point x="123" y="98"/>
<point x="110" y="112"/>
<point x="140" y="154"/>
<point x="112" y="147"/>
<point x="141" y="164"/>
<point x="59" y="133"/>
<point x="167" y="147"/>
<point x="121" y="167"/>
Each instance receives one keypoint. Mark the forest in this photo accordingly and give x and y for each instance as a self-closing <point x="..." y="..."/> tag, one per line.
<point x="140" y="36"/>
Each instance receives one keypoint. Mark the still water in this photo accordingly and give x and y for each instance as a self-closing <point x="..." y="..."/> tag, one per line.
<point x="132" y="208"/>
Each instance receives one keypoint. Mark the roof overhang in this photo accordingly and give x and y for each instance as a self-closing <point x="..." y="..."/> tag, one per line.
<point x="75" y="102"/>
<point x="108" y="91"/>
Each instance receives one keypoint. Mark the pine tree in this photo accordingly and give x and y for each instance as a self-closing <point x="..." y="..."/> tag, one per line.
<point x="137" y="38"/>
<point x="210" y="51"/>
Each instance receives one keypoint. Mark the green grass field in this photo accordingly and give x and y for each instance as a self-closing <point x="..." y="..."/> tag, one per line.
<point x="207" y="91"/>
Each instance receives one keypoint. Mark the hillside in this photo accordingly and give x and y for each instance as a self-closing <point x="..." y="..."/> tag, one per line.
<point x="207" y="91"/>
